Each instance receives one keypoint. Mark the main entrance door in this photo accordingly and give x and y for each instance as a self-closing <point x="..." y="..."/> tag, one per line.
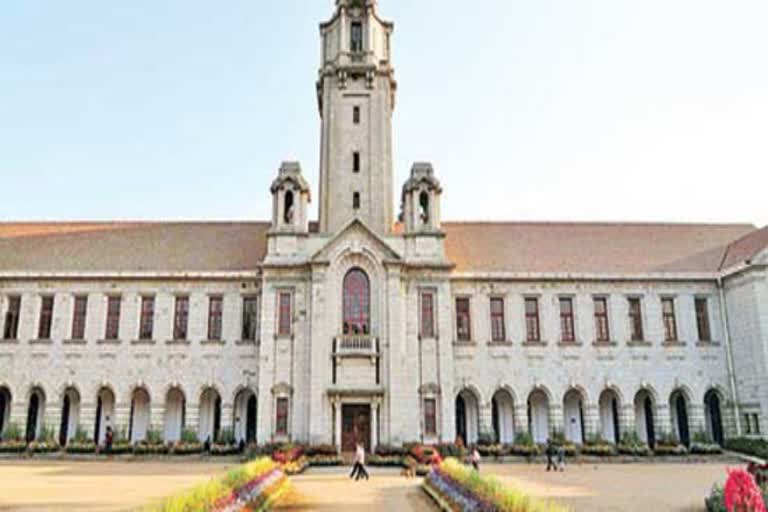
<point x="355" y="427"/>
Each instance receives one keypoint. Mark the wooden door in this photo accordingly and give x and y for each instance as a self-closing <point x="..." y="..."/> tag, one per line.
<point x="355" y="427"/>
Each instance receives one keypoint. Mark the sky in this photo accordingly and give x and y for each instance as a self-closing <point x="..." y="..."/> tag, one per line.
<point x="548" y="110"/>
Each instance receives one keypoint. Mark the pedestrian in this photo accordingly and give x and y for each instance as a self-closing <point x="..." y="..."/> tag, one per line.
<point x="360" y="463"/>
<point x="550" y="455"/>
<point x="475" y="459"/>
<point x="108" y="439"/>
<point x="207" y="445"/>
<point x="561" y="457"/>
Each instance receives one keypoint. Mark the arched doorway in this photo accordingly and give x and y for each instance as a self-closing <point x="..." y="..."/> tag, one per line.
<point x="503" y="416"/>
<point x="714" y="416"/>
<point x="609" y="416"/>
<point x="538" y="416"/>
<point x="573" y="411"/>
<point x="210" y="415"/>
<point x="5" y="409"/>
<point x="70" y="415"/>
<point x="35" y="414"/>
<point x="139" y="417"/>
<point x="467" y="416"/>
<point x="245" y="416"/>
<point x="645" y="417"/>
<point x="678" y="405"/>
<point x="357" y="303"/>
<point x="105" y="410"/>
<point x="175" y="414"/>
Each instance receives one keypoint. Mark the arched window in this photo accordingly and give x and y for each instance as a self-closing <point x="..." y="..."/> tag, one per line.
<point x="357" y="303"/>
<point x="424" y="208"/>
<point x="288" y="210"/>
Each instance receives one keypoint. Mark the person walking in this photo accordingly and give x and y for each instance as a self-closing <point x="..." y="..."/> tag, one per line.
<point x="360" y="463"/>
<point x="561" y="457"/>
<point x="550" y="456"/>
<point x="475" y="459"/>
<point x="108" y="439"/>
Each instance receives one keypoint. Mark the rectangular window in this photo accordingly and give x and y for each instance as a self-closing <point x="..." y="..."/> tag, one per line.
<point x="463" y="329"/>
<point x="702" y="319"/>
<point x="285" y="314"/>
<point x="180" y="318"/>
<point x="747" y="426"/>
<point x="11" y="330"/>
<point x="670" y="323"/>
<point x="602" y="330"/>
<point x="430" y="417"/>
<point x="78" y="318"/>
<point x="113" y="318"/>
<point x="46" y="319"/>
<point x="281" y="417"/>
<point x="356" y="115"/>
<point x="635" y="320"/>
<point x="356" y="34"/>
<point x="567" y="331"/>
<point x="427" y="315"/>
<point x="755" y="424"/>
<point x="356" y="162"/>
<point x="532" y="327"/>
<point x="147" y="320"/>
<point x="215" y="306"/>
<point x="250" y="319"/>
<point x="498" y="331"/>
<point x="356" y="200"/>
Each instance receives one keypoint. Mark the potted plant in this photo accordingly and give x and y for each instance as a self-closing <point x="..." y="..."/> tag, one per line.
<point x="12" y="440"/>
<point x="81" y="443"/>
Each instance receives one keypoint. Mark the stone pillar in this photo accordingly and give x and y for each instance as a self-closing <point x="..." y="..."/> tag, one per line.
<point x="485" y="420"/>
<point x="122" y="418"/>
<point x="157" y="417"/>
<point x="627" y="420"/>
<point x="19" y="416"/>
<point x="87" y="418"/>
<point x="591" y="420"/>
<point x="192" y="418"/>
<point x="663" y="421"/>
<point x="51" y="418"/>
<point x="337" y="424"/>
<point x="228" y="416"/>
<point x="696" y="419"/>
<point x="556" y="421"/>
<point x="374" y="425"/>
<point x="521" y="417"/>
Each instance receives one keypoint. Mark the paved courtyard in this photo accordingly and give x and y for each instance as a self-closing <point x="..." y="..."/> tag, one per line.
<point x="50" y="486"/>
<point x="36" y="485"/>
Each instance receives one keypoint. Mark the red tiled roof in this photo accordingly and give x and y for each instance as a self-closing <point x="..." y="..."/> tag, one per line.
<point x="530" y="247"/>
<point x="588" y="247"/>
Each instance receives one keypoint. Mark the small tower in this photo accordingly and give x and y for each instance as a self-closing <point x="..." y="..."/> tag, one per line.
<point x="421" y="201"/>
<point x="290" y="200"/>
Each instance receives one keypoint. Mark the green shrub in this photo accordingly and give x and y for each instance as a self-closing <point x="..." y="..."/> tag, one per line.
<point x="189" y="436"/>
<point x="12" y="433"/>
<point x="154" y="437"/>
<point x="81" y="435"/>
<point x="226" y="436"/>
<point x="47" y="434"/>
<point x="523" y="439"/>
<point x="749" y="446"/>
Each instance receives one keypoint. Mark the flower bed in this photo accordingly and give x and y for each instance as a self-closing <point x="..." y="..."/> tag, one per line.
<point x="670" y="449"/>
<point x="455" y="487"/>
<point x="182" y="448"/>
<point x="385" y="460"/>
<point x="741" y="493"/>
<point x="705" y="449"/>
<point x="255" y="486"/>
<point x="80" y="447"/>
<point x="43" y="447"/>
<point x="144" y="448"/>
<point x="325" y="460"/>
<point x="599" y="450"/>
<point x="748" y="446"/>
<point x="295" y="467"/>
<point x="220" y="450"/>
<point x="637" y="450"/>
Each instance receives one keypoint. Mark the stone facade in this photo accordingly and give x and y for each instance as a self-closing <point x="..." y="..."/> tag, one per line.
<point x="363" y="329"/>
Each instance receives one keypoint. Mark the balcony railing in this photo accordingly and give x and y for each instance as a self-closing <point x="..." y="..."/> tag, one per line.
<point x="356" y="343"/>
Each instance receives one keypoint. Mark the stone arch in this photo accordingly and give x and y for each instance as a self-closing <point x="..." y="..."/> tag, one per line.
<point x="609" y="406"/>
<point x="70" y="413"/>
<point x="139" y="416"/>
<point x="36" y="402"/>
<point x="574" y="403"/>
<point x="6" y="399"/>
<point x="680" y="414"/>
<point x="369" y="263"/>
<point x="539" y="413"/>
<point x="503" y="415"/>
<point x="105" y="412"/>
<point x="209" y="426"/>
<point x="175" y="413"/>
<point x="645" y="414"/>
<point x="467" y="405"/>
<point x="356" y="302"/>
<point x="245" y="413"/>
<point x="714" y="398"/>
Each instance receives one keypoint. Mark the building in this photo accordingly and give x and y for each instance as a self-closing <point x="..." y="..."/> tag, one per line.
<point x="361" y="327"/>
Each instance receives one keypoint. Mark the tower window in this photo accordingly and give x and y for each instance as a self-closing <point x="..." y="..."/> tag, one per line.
<point x="356" y="161"/>
<point x="424" y="208"/>
<point x="356" y="43"/>
<point x="288" y="210"/>
<point x="356" y="115"/>
<point x="356" y="200"/>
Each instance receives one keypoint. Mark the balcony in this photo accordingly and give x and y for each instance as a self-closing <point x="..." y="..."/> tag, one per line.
<point x="356" y="345"/>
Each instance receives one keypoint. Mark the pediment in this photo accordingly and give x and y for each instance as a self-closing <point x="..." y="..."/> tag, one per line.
<point x="356" y="237"/>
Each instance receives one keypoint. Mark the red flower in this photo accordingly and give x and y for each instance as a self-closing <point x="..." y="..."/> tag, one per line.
<point x="742" y="493"/>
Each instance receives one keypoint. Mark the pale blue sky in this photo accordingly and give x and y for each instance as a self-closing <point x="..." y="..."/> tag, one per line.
<point x="544" y="110"/>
